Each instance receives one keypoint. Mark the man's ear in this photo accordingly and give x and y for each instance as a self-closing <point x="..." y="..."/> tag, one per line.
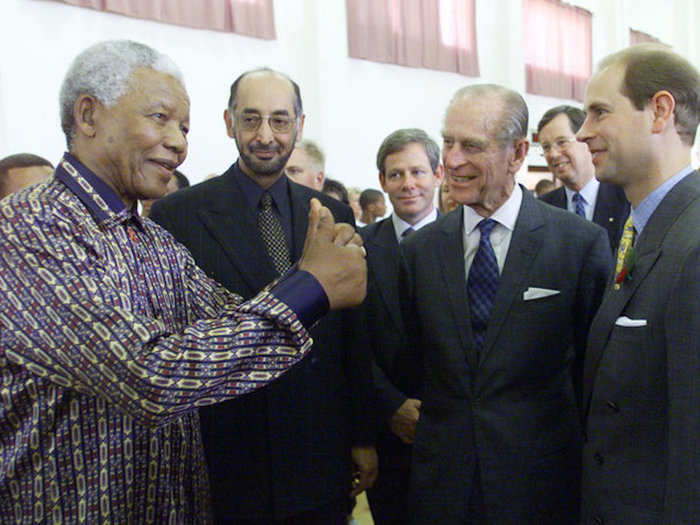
<point x="85" y="114"/>
<point x="517" y="155"/>
<point x="662" y="105"/>
<point x="300" y="129"/>
<point x="439" y="175"/>
<point x="382" y="181"/>
<point x="228" y="119"/>
<point x="320" y="176"/>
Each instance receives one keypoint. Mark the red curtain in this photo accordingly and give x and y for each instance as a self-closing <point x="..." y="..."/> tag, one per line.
<point x="558" y="59"/>
<point x="434" y="34"/>
<point x="639" y="37"/>
<point x="245" y="17"/>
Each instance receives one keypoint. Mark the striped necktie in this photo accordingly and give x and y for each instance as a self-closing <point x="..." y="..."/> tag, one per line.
<point x="578" y="205"/>
<point x="482" y="283"/>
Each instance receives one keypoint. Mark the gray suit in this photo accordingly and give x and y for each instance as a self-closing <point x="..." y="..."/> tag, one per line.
<point x="641" y="462"/>
<point x="507" y="424"/>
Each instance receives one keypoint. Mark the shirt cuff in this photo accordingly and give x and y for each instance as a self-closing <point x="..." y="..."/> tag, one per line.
<point x="302" y="292"/>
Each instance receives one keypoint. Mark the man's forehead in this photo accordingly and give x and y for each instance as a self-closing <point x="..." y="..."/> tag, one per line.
<point x="472" y="116"/>
<point x="603" y="85"/>
<point x="155" y="86"/>
<point x="265" y="89"/>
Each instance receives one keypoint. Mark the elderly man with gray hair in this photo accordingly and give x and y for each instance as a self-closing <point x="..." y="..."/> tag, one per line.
<point x="111" y="336"/>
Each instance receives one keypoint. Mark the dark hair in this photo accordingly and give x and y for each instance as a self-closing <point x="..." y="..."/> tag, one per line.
<point x="650" y="68"/>
<point x="334" y="186"/>
<point x="19" y="160"/>
<point x="369" y="196"/>
<point x="543" y="186"/>
<point x="298" y="109"/>
<point x="401" y="138"/>
<point x="182" y="180"/>
<point x="575" y="115"/>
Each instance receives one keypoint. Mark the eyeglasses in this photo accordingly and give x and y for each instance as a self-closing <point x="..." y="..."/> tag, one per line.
<point x="561" y="144"/>
<point x="278" y="123"/>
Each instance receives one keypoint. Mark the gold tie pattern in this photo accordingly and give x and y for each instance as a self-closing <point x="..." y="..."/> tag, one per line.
<point x="273" y="235"/>
<point x="623" y="251"/>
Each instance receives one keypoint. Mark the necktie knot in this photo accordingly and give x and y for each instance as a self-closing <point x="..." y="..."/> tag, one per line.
<point x="266" y="201"/>
<point x="406" y="233"/>
<point x="486" y="226"/>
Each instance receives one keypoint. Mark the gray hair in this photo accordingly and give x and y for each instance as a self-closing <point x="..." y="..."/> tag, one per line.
<point x="512" y="122"/>
<point x="401" y="138"/>
<point x="103" y="71"/>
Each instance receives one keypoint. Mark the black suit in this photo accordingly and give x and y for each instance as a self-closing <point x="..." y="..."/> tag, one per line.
<point x="285" y="449"/>
<point x="642" y="377"/>
<point x="505" y="421"/>
<point x="611" y="209"/>
<point x="387" y="338"/>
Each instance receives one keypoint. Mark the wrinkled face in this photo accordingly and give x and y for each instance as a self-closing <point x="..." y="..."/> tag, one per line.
<point x="301" y="170"/>
<point x="615" y="131"/>
<point x="264" y="152"/>
<point x="20" y="178"/>
<point x="142" y="138"/>
<point x="569" y="160"/>
<point x="410" y="182"/>
<point x="480" y="170"/>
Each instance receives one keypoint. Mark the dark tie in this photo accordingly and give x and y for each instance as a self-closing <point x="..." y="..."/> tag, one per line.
<point x="406" y="233"/>
<point x="578" y="204"/>
<point x="272" y="234"/>
<point x="482" y="283"/>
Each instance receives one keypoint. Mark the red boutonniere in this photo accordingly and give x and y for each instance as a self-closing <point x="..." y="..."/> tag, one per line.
<point x="627" y="266"/>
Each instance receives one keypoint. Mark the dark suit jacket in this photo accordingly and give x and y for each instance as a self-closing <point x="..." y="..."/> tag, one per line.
<point x="641" y="462"/>
<point x="611" y="209"/>
<point x="513" y="414"/>
<point x="286" y="448"/>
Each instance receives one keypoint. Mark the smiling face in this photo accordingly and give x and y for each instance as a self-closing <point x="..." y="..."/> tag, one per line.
<point x="410" y="182"/>
<point x="480" y="170"/>
<point x="571" y="163"/>
<point x="140" y="140"/>
<point x="615" y="132"/>
<point x="302" y="170"/>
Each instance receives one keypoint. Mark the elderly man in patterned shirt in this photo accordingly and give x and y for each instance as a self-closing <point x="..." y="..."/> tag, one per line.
<point x="110" y="335"/>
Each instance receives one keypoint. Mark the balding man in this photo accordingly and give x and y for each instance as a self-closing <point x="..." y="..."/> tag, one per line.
<point x="111" y="336"/>
<point x="22" y="170"/>
<point x="498" y="296"/>
<point x="642" y="373"/>
<point x="292" y="459"/>
<point x="306" y="165"/>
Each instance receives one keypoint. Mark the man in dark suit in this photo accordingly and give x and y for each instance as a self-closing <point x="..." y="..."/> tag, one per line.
<point x="409" y="172"/>
<point x="497" y="299"/>
<point x="570" y="162"/>
<point x="283" y="454"/>
<point x="642" y="374"/>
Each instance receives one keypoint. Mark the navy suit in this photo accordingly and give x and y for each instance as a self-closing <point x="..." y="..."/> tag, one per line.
<point x="284" y="449"/>
<point x="502" y="425"/>
<point x="611" y="209"/>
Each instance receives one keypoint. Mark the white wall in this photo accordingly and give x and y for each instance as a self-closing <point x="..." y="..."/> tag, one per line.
<point x="351" y="105"/>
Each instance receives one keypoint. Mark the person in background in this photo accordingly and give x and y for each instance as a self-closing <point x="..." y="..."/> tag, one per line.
<point x="373" y="206"/>
<point x="544" y="186"/>
<point x="335" y="189"/>
<point x="445" y="201"/>
<point x="354" y="200"/>
<point x="306" y="166"/>
<point x="177" y="182"/>
<point x="22" y="170"/>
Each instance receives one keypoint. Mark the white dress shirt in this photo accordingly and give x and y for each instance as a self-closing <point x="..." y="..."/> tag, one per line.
<point x="401" y="225"/>
<point x="589" y="193"/>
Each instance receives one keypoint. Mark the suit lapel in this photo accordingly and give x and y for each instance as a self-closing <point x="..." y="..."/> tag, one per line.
<point x="648" y="249"/>
<point x="384" y="246"/>
<point x="300" y="202"/>
<point x="524" y="245"/>
<point x="231" y="223"/>
<point x="450" y="249"/>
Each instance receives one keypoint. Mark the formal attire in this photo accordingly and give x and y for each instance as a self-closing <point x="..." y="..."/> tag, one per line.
<point x="499" y="434"/>
<point x="604" y="204"/>
<point x="388" y="499"/>
<point x="284" y="450"/>
<point x="642" y="372"/>
<point x="111" y="337"/>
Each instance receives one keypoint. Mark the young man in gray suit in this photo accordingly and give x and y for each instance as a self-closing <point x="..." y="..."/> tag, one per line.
<point x="642" y="374"/>
<point x="497" y="299"/>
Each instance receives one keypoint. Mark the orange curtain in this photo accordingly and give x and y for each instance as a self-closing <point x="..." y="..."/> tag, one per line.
<point x="558" y="59"/>
<point x="245" y="17"/>
<point x="434" y="34"/>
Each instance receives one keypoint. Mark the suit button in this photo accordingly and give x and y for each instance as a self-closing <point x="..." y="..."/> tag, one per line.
<point x="613" y="406"/>
<point x="598" y="457"/>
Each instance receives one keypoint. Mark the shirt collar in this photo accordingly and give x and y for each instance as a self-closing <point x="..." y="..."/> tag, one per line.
<point x="589" y="192"/>
<point x="101" y="200"/>
<point x="642" y="213"/>
<point x="506" y="215"/>
<point x="401" y="225"/>
<point x="253" y="192"/>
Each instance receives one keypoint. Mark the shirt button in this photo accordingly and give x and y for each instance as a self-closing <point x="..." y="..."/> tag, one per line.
<point x="598" y="457"/>
<point x="613" y="406"/>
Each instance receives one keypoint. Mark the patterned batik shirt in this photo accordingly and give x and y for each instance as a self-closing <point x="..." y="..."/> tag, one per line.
<point x="110" y="337"/>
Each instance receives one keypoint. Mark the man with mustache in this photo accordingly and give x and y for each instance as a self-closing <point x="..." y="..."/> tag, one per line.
<point x="284" y="454"/>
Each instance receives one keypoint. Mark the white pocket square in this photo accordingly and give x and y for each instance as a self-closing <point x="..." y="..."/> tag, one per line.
<point x="538" y="293"/>
<point x="630" y="323"/>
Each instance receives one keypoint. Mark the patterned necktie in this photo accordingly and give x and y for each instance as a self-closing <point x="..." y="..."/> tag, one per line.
<point x="578" y="204"/>
<point x="272" y="234"/>
<point x="626" y="244"/>
<point x="406" y="233"/>
<point x="482" y="283"/>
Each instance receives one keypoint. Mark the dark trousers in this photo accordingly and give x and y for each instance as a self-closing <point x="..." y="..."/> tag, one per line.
<point x="388" y="498"/>
<point x="334" y="513"/>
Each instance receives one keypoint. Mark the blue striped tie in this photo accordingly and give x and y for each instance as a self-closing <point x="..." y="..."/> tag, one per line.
<point x="482" y="283"/>
<point x="578" y="204"/>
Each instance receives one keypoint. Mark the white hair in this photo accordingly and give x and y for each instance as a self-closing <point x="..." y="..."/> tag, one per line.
<point x="103" y="71"/>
